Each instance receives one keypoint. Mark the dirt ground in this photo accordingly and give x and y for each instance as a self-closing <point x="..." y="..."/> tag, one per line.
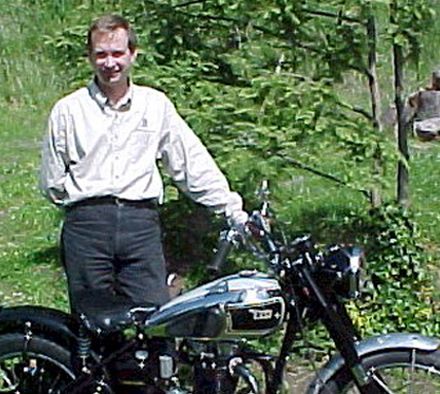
<point x="298" y="379"/>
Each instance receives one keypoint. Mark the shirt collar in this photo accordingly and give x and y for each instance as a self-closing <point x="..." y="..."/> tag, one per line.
<point x="123" y="104"/>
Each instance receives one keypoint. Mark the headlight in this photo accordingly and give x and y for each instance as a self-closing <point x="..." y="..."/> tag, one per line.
<point x="341" y="268"/>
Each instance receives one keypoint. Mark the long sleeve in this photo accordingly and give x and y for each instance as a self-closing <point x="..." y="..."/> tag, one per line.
<point x="53" y="165"/>
<point x="193" y="169"/>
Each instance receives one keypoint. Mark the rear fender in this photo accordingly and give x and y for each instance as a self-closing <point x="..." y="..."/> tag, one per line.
<point x="370" y="346"/>
<point x="49" y="323"/>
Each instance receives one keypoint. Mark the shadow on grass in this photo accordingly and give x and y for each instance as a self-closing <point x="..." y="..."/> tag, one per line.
<point x="50" y="255"/>
<point x="190" y="234"/>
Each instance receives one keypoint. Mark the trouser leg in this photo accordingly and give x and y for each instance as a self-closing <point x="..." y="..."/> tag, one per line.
<point x="87" y="247"/>
<point x="139" y="260"/>
<point x="116" y="249"/>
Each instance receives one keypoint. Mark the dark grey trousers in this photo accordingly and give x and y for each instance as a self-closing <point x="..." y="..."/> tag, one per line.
<point x="114" y="248"/>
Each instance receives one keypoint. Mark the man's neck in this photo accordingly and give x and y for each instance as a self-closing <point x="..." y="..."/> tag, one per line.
<point x="114" y="93"/>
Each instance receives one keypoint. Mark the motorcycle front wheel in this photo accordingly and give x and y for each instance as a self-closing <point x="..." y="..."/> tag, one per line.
<point x="33" y="365"/>
<point x="408" y="371"/>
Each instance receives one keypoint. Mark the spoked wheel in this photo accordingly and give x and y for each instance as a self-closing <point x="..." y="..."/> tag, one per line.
<point x="35" y="366"/>
<point x="405" y="372"/>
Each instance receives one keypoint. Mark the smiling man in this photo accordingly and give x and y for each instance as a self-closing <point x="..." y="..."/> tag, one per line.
<point x="112" y="51"/>
<point x="99" y="163"/>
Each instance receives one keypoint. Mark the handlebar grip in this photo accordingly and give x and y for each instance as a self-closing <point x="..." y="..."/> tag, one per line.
<point x="219" y="259"/>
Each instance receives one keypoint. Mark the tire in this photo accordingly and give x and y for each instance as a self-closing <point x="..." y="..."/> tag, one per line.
<point x="37" y="366"/>
<point x="408" y="371"/>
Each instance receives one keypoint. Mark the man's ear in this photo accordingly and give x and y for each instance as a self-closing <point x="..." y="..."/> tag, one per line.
<point x="134" y="54"/>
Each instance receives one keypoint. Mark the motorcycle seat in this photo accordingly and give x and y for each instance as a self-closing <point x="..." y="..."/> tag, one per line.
<point x="103" y="313"/>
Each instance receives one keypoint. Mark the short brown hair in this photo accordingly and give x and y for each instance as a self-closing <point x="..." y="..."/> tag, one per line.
<point x="110" y="23"/>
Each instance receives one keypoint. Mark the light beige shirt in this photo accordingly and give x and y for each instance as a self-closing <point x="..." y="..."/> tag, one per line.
<point x="92" y="149"/>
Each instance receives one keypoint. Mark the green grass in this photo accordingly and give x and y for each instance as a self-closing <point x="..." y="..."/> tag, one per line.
<point x="425" y="187"/>
<point x="28" y="225"/>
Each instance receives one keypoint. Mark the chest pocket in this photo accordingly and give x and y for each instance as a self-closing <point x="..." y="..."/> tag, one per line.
<point x="142" y="142"/>
<point x="141" y="137"/>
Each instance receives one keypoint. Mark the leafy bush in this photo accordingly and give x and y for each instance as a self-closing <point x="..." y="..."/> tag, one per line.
<point x="400" y="269"/>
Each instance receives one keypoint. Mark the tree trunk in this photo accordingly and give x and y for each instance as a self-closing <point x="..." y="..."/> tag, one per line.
<point x="376" y="198"/>
<point x="402" y="137"/>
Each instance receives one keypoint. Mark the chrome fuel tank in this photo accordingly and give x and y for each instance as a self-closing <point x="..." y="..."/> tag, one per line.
<point x="247" y="304"/>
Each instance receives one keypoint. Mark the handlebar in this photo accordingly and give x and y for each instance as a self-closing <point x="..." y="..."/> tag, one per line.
<point x="256" y="229"/>
<point x="224" y="246"/>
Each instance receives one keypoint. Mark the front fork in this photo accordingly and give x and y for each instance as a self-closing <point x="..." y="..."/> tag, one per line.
<point x="275" y="378"/>
<point x="343" y="333"/>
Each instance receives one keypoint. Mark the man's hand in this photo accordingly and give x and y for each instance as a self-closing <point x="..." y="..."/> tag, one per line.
<point x="238" y="219"/>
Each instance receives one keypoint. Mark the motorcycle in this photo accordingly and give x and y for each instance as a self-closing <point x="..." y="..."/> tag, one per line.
<point x="201" y="341"/>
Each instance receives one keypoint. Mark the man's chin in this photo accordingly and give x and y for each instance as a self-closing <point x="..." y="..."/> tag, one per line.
<point x="111" y="80"/>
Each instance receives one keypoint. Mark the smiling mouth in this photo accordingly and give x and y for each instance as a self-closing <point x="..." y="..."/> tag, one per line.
<point x="110" y="74"/>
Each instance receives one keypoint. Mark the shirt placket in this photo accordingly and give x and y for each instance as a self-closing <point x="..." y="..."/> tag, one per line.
<point x="115" y="148"/>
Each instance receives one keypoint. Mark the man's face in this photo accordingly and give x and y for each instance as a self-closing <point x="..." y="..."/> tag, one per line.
<point x="110" y="57"/>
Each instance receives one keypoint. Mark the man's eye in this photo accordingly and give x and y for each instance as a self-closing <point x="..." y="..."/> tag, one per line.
<point x="118" y="54"/>
<point x="100" y="55"/>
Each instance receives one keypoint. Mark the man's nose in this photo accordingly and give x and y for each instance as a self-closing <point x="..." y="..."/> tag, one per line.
<point x="109" y="61"/>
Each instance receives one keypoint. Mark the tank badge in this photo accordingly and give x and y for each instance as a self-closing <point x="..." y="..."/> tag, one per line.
<point x="261" y="314"/>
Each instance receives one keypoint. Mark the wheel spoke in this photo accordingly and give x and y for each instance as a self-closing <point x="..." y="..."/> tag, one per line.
<point x="37" y="366"/>
<point x="408" y="380"/>
<point x="9" y="381"/>
<point x="400" y="372"/>
<point x="41" y="372"/>
<point x="382" y="383"/>
<point x="4" y="378"/>
<point x="32" y="376"/>
<point x="411" y="372"/>
<point x="56" y="380"/>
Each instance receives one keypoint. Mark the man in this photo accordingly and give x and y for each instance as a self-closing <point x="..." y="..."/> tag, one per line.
<point x="423" y="108"/>
<point x="99" y="163"/>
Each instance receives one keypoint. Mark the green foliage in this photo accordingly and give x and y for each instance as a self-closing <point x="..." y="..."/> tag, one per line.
<point x="410" y="20"/>
<point x="402" y="296"/>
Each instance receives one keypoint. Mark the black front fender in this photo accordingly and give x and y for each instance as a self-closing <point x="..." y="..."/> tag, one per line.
<point x="49" y="323"/>
<point x="370" y="346"/>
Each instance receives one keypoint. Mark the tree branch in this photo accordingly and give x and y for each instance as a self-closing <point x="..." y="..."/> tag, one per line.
<point x="188" y="3"/>
<point x="356" y="109"/>
<point x="331" y="15"/>
<point x="212" y="17"/>
<point x="330" y="177"/>
<point x="259" y="28"/>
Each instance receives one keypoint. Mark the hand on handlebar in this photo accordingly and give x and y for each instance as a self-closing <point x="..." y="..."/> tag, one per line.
<point x="243" y="226"/>
<point x="238" y="219"/>
<point x="228" y="238"/>
<point x="243" y="230"/>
